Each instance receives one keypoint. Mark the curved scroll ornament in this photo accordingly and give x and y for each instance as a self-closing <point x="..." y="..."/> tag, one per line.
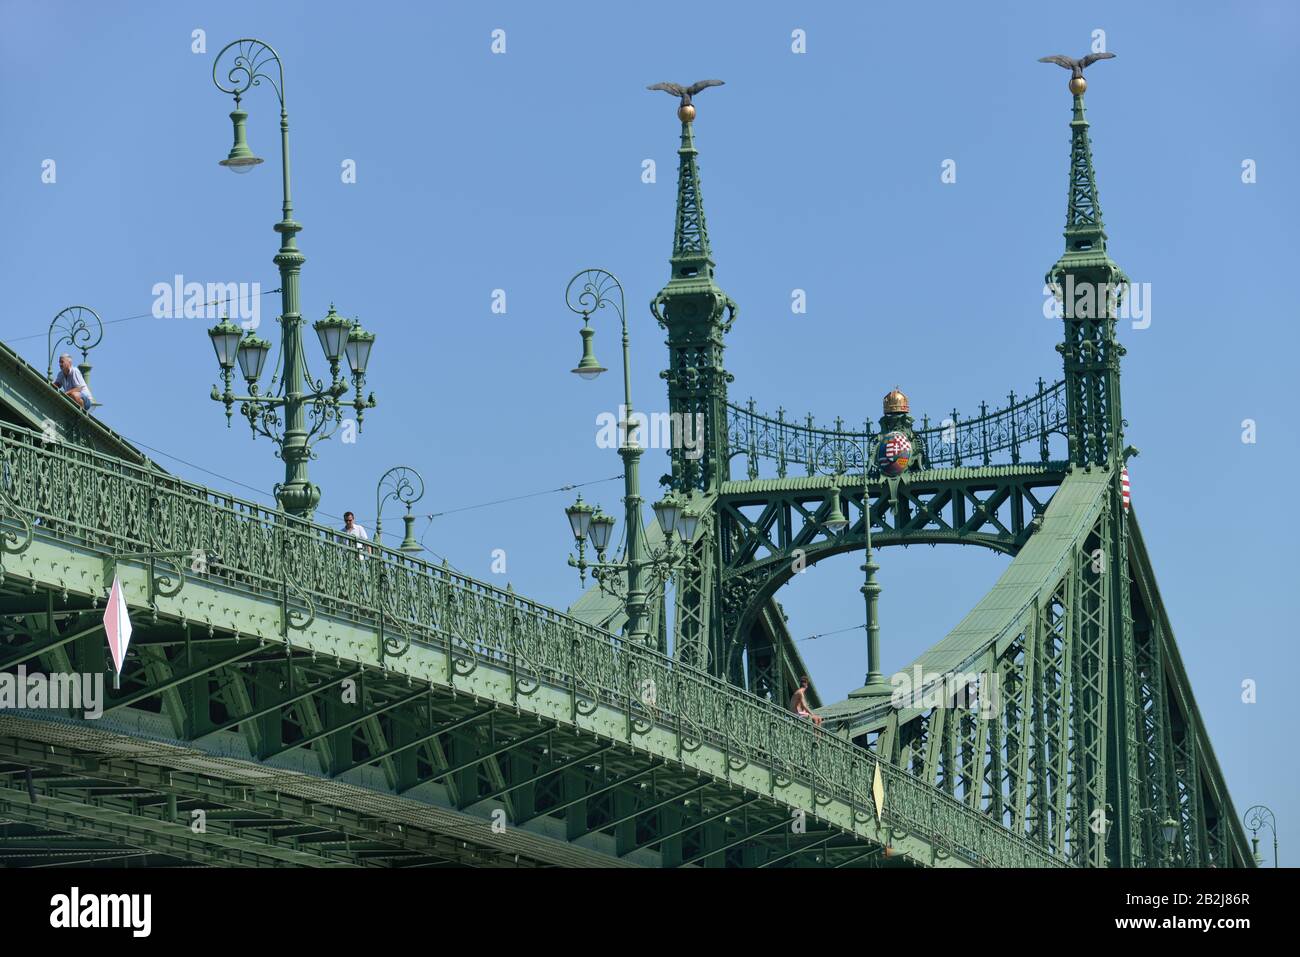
<point x="402" y="483"/>
<point x="395" y="646"/>
<point x="12" y="542"/>
<point x="733" y="312"/>
<point x="162" y="584"/>
<point x="591" y="290"/>
<point x="249" y="62"/>
<point x="520" y="684"/>
<point x="299" y="619"/>
<point x="690" y="745"/>
<point x="737" y="762"/>
<point x="642" y="701"/>
<point x="466" y="662"/>
<point x="580" y="706"/>
<point x="80" y="327"/>
<point x="390" y="645"/>
<point x="839" y="455"/>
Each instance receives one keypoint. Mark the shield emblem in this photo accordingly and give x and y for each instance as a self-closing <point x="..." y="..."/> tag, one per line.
<point x="894" y="453"/>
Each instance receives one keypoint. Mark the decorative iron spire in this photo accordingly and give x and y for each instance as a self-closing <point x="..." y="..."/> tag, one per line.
<point x="1085" y="234"/>
<point x="1089" y="285"/>
<point x="691" y="254"/>
<point x="697" y="315"/>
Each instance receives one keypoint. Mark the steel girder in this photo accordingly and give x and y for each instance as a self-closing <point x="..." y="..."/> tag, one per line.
<point x="1044" y="763"/>
<point x="770" y="529"/>
<point x="495" y="704"/>
<point x="333" y="834"/>
<point x="233" y="699"/>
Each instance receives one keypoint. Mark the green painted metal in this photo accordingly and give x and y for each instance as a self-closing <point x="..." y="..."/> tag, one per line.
<point x="1027" y="421"/>
<point x="771" y="528"/>
<point x="300" y="397"/>
<point x="329" y="707"/>
<point x="288" y="592"/>
<point x="589" y="291"/>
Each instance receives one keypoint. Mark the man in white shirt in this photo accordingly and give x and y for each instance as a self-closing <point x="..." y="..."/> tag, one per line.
<point x="71" y="383"/>
<point x="350" y="527"/>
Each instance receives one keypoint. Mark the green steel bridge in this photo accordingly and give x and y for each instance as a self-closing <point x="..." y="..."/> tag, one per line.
<point x="292" y="700"/>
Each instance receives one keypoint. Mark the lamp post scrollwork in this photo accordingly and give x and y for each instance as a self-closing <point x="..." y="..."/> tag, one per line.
<point x="1255" y="818"/>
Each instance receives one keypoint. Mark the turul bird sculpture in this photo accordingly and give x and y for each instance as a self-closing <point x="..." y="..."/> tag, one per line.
<point x="686" y="110"/>
<point x="1077" y="83"/>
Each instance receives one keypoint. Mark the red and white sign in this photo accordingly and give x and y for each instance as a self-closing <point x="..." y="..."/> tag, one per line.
<point x="1123" y="486"/>
<point x="117" y="626"/>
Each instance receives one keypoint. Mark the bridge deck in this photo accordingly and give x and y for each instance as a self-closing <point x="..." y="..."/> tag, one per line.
<point x="269" y="589"/>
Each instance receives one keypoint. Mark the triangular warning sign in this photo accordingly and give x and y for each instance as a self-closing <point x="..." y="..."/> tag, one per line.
<point x="117" y="626"/>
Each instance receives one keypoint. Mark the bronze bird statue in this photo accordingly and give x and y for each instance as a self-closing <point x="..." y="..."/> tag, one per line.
<point x="1077" y="83"/>
<point x="686" y="111"/>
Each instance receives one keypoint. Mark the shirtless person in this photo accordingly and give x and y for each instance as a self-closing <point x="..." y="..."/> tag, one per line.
<point x="799" y="703"/>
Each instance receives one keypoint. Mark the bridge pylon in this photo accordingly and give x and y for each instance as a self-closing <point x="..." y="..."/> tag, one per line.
<point x="1090" y="286"/>
<point x="697" y="315"/>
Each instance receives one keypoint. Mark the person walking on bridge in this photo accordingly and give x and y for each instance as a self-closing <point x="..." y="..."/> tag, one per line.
<point x="350" y="527"/>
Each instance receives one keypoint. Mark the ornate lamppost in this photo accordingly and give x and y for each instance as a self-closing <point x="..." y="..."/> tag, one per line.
<point x="406" y="485"/>
<point x="1255" y="818"/>
<point x="588" y="292"/>
<point x="300" y="397"/>
<point x="81" y="328"/>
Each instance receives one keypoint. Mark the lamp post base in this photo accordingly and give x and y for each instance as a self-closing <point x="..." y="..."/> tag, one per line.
<point x="298" y="499"/>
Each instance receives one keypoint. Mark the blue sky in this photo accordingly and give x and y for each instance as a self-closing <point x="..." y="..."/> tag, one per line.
<point x="821" y="171"/>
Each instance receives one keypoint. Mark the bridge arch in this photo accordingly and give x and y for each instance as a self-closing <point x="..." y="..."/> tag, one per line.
<point x="769" y="529"/>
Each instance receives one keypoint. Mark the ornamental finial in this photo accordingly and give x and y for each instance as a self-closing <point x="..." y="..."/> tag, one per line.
<point x="686" y="111"/>
<point x="1077" y="83"/>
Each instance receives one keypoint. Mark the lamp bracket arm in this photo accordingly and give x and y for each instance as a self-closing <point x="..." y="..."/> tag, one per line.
<point x="249" y="64"/>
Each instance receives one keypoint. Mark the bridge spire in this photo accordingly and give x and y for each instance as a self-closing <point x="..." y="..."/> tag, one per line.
<point x="697" y="315"/>
<point x="691" y="253"/>
<point x="1089" y="286"/>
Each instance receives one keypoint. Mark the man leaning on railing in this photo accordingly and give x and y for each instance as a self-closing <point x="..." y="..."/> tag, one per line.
<point x="350" y="527"/>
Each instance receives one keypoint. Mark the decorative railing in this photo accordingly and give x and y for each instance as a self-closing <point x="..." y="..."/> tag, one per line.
<point x="953" y="442"/>
<point x="76" y="496"/>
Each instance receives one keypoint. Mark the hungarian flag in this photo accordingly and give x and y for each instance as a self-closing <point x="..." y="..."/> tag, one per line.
<point x="117" y="626"/>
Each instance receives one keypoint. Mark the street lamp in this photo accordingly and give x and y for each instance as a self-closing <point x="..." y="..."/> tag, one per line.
<point x="311" y="410"/>
<point x="406" y="485"/>
<point x="1168" y="832"/>
<point x="588" y="292"/>
<point x="81" y="328"/>
<point x="1255" y="818"/>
